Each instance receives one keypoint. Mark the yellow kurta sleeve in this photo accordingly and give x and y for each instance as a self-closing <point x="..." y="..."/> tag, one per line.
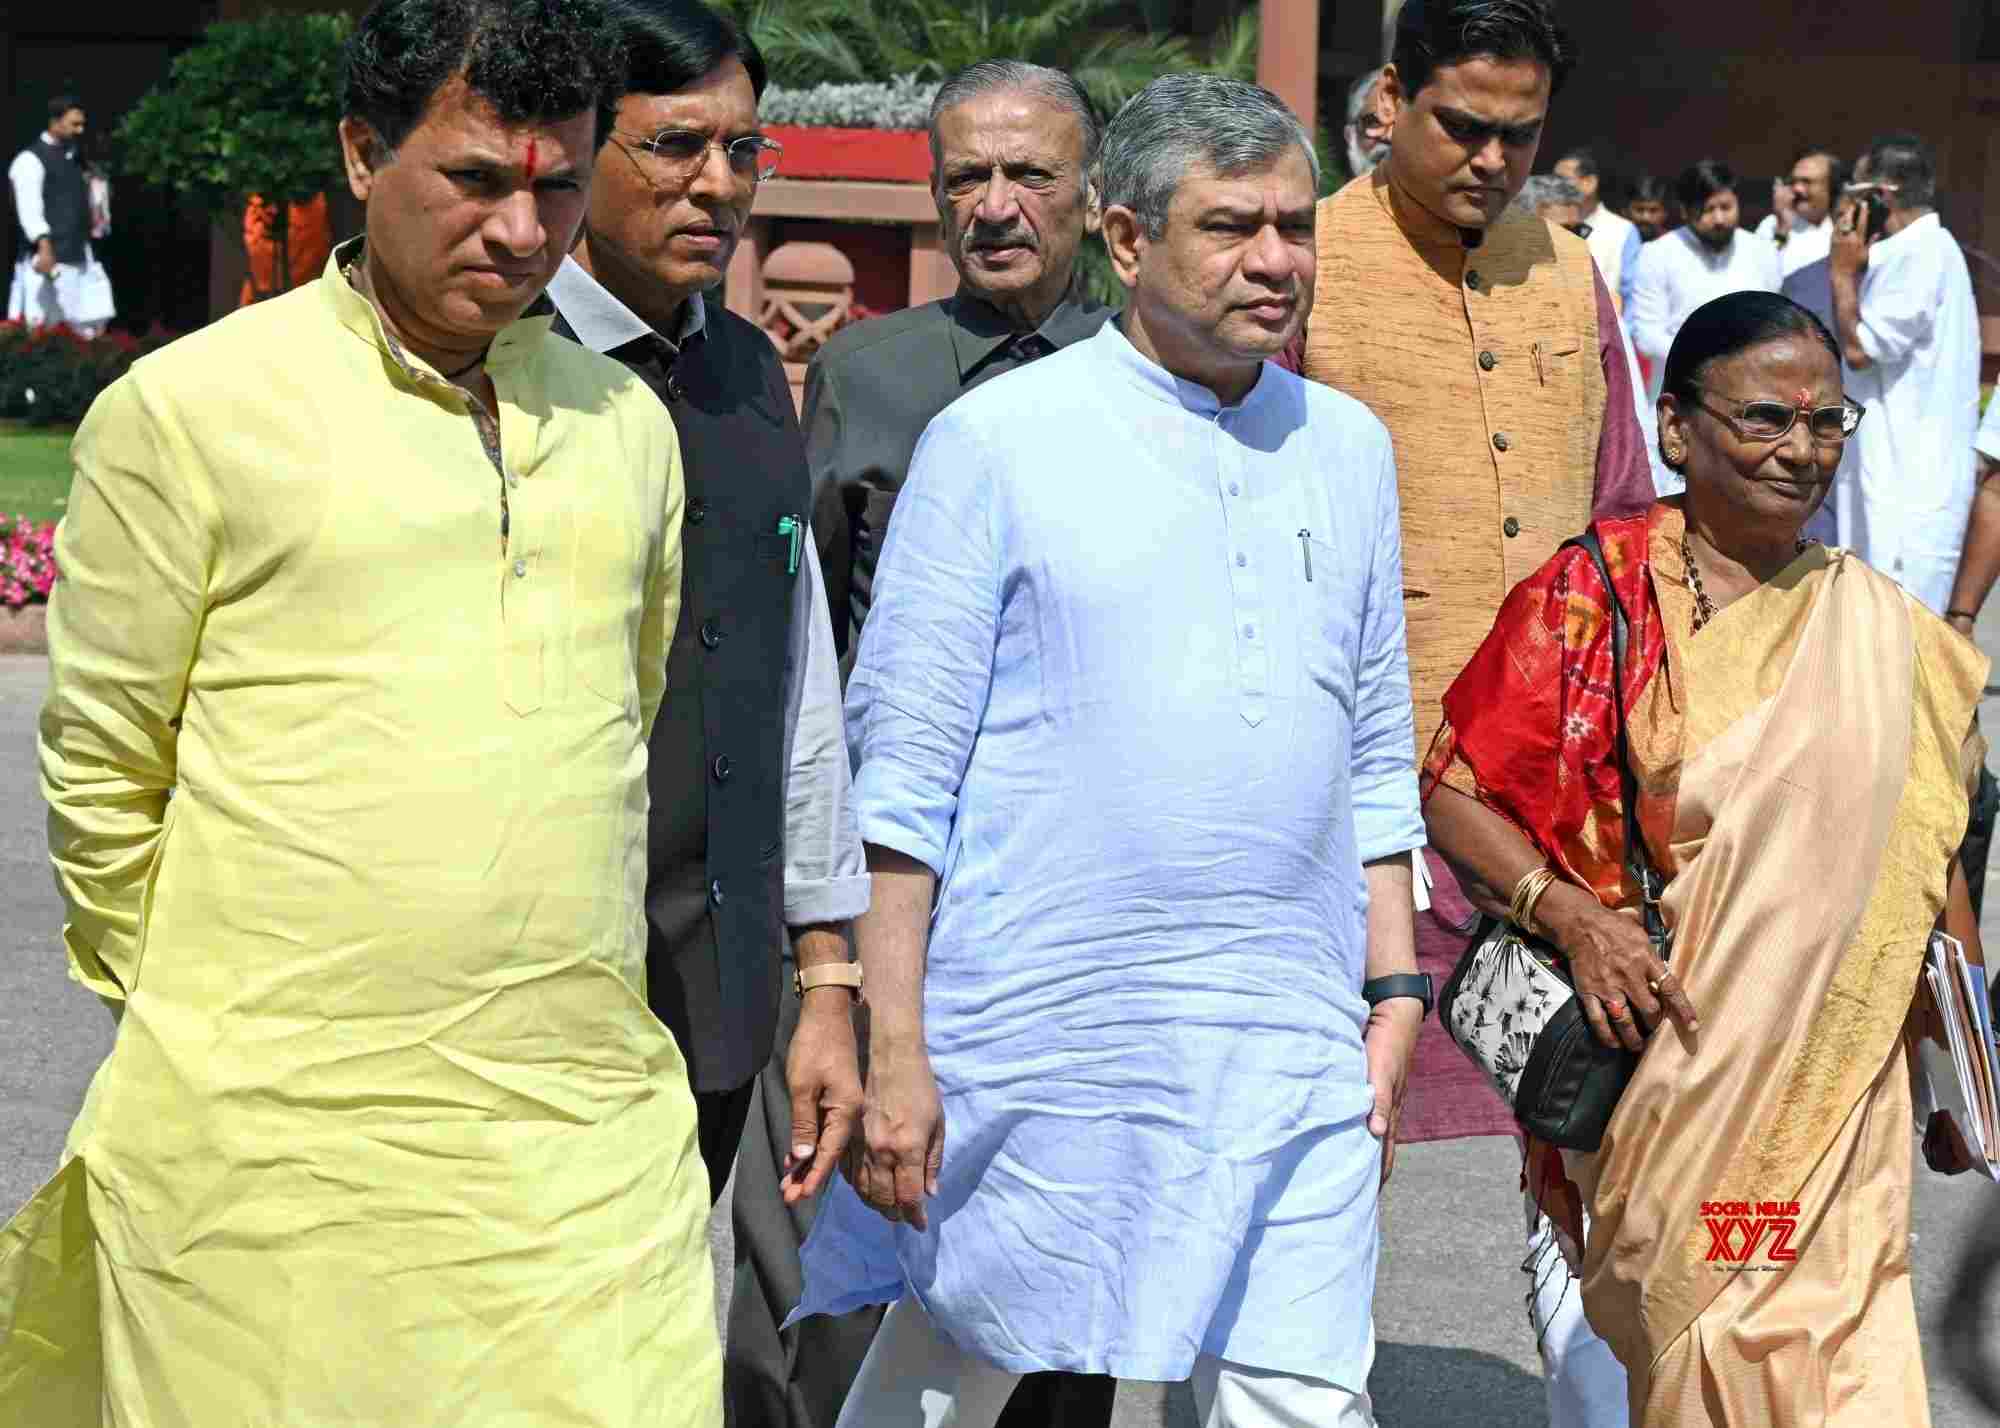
<point x="135" y="551"/>
<point x="663" y="587"/>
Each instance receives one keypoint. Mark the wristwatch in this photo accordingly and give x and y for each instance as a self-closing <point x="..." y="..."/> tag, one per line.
<point x="1402" y="984"/>
<point x="827" y="974"/>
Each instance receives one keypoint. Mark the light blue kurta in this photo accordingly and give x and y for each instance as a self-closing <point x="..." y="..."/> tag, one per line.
<point x="1147" y="756"/>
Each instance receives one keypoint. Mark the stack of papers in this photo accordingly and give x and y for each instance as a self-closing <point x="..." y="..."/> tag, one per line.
<point x="1963" y="1073"/>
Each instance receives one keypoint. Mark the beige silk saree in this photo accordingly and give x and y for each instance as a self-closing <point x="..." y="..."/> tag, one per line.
<point x="1821" y="794"/>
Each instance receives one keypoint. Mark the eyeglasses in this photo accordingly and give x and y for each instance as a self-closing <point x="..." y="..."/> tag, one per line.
<point x="682" y="152"/>
<point x="1581" y="230"/>
<point x="1773" y="421"/>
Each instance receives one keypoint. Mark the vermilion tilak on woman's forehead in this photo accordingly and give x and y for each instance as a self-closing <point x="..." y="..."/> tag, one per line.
<point x="528" y="161"/>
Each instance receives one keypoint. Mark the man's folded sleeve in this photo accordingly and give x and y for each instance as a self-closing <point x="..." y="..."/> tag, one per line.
<point x="826" y="873"/>
<point x="137" y="551"/>
<point x="1388" y="815"/>
<point x="919" y="688"/>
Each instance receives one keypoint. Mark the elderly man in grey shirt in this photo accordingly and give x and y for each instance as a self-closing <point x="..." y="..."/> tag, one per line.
<point x="1011" y="150"/>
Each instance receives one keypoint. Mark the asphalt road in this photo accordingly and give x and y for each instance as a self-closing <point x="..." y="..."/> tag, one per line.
<point x="1455" y="1347"/>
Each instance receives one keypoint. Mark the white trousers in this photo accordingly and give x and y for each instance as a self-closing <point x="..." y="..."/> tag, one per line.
<point x="916" y="1377"/>
<point x="1586" y="1383"/>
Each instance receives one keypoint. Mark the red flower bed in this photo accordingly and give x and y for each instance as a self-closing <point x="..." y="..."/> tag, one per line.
<point x="27" y="561"/>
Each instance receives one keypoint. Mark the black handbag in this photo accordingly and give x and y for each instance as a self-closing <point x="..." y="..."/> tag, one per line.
<point x="1511" y="1004"/>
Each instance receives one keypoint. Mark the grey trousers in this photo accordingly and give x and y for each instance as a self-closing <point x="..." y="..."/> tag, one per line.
<point x="799" y="1377"/>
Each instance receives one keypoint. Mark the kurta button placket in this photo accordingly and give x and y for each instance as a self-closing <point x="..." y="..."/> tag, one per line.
<point x="520" y="569"/>
<point x="715" y="892"/>
<point x="722" y="768"/>
<point x="697" y="512"/>
<point x="711" y="633"/>
<point x="1487" y="361"/>
<point x="675" y="392"/>
<point x="1510" y="527"/>
<point x="1500" y="441"/>
<point x="1245" y="580"/>
<point x="1472" y="279"/>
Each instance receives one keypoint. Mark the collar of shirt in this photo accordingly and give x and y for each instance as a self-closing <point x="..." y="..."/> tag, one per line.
<point x="358" y="315"/>
<point x="979" y="332"/>
<point x="601" y="322"/>
<point x="1161" y="385"/>
<point x="1908" y="237"/>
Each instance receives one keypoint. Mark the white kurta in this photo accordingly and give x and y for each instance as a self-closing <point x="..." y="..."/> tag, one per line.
<point x="1905" y="485"/>
<point x="1805" y="247"/>
<point x="76" y="294"/>
<point x="1677" y="274"/>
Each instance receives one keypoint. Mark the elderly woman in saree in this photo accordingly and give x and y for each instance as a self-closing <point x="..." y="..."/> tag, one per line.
<point x="1801" y="737"/>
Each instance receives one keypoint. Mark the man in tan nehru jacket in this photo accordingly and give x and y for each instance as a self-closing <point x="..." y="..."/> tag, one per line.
<point x="1486" y="342"/>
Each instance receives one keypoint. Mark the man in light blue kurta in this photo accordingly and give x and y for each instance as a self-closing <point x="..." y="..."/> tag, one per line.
<point x="1134" y="692"/>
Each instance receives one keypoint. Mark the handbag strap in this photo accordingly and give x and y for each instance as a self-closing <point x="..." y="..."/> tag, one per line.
<point x="1638" y="866"/>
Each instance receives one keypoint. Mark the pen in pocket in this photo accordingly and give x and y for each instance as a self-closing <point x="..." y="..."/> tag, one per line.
<point x="1306" y="550"/>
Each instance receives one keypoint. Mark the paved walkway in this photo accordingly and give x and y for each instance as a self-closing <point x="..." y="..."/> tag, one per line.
<point x="1455" y="1347"/>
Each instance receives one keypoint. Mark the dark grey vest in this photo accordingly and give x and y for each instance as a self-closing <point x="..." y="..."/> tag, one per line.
<point x="716" y="838"/>
<point x="65" y="200"/>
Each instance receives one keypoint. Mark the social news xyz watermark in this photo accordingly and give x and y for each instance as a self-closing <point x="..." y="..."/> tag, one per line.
<point x="1750" y="1234"/>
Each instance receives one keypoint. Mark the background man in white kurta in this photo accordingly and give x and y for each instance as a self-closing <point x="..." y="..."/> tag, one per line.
<point x="1800" y="223"/>
<point x="1708" y="257"/>
<point x="58" y="279"/>
<point x="1909" y="334"/>
<point x="1133" y="711"/>
<point x="1614" y="241"/>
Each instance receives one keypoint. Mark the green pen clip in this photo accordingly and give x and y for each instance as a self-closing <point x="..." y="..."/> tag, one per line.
<point x="795" y="529"/>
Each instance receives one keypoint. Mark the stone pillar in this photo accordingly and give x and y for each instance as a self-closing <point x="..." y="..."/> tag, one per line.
<point x="743" y="283"/>
<point x="1288" y="53"/>
<point x="931" y="274"/>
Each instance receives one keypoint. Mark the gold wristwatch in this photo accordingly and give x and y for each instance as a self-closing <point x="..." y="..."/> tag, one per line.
<point x="827" y="974"/>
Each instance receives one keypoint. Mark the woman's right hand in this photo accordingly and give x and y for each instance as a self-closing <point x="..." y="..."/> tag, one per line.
<point x="1612" y="963"/>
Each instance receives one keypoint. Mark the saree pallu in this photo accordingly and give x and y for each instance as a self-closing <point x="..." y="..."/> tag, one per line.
<point x="1813" y="807"/>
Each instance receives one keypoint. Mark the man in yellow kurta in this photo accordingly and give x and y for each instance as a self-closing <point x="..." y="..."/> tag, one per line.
<point x="368" y="591"/>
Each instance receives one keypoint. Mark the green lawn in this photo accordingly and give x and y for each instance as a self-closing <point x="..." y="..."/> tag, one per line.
<point x="34" y="471"/>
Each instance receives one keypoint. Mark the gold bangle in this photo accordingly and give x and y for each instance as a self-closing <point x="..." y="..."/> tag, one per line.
<point x="1527" y="893"/>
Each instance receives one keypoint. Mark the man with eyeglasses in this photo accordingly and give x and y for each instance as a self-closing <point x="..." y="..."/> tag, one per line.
<point x="750" y="832"/>
<point x="1909" y="334"/>
<point x="1366" y="133"/>
<point x="1800" y="223"/>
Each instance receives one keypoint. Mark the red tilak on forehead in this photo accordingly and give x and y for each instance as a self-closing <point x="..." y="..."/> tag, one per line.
<point x="528" y="161"/>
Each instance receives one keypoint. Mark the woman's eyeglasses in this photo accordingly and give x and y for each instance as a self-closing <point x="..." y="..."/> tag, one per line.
<point x="1772" y="421"/>
<point x="682" y="152"/>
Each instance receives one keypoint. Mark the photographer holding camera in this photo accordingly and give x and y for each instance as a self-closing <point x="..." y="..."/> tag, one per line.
<point x="1909" y="335"/>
